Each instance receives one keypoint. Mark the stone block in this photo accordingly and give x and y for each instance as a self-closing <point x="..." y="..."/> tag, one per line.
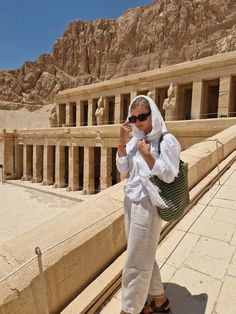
<point x="168" y="244"/>
<point x="225" y="215"/>
<point x="232" y="266"/>
<point x="227" y="301"/>
<point x="167" y="272"/>
<point x="223" y="203"/>
<point x="205" y="258"/>
<point x="227" y="192"/>
<point x="233" y="240"/>
<point x="183" y="250"/>
<point x="185" y="223"/>
<point x="209" y="212"/>
<point x="213" y="229"/>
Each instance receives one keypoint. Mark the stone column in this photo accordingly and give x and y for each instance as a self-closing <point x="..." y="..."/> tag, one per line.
<point x="106" y="168"/>
<point x="152" y="94"/>
<point x="88" y="187"/>
<point x="18" y="161"/>
<point x="69" y="114"/>
<point x="78" y="113"/>
<point x="90" y="112"/>
<point x="73" y="168"/>
<point x="117" y="109"/>
<point x="61" y="114"/>
<point x="37" y="164"/>
<point x="81" y="113"/>
<point x="132" y="95"/>
<point x="60" y="167"/>
<point x="121" y="176"/>
<point x="27" y="162"/>
<point x="197" y="100"/>
<point x="175" y="114"/>
<point x="106" y="110"/>
<point x="58" y="114"/>
<point x="224" y="96"/>
<point x="48" y="165"/>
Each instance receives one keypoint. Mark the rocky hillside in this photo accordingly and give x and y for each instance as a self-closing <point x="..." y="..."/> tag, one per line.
<point x="162" y="33"/>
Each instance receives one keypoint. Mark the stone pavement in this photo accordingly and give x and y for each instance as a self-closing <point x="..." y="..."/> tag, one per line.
<point x="198" y="257"/>
<point x="23" y="209"/>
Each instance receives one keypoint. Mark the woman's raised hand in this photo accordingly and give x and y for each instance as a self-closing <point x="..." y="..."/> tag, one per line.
<point x="124" y="131"/>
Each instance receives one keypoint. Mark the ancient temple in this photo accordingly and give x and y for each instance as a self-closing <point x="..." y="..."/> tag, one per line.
<point x="79" y="154"/>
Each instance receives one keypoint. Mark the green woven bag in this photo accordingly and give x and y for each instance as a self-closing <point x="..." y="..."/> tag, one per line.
<point x="174" y="194"/>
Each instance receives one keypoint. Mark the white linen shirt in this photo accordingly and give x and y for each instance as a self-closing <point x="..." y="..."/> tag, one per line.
<point x="166" y="167"/>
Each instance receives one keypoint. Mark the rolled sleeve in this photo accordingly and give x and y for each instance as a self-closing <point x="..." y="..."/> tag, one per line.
<point x="158" y="168"/>
<point x="122" y="164"/>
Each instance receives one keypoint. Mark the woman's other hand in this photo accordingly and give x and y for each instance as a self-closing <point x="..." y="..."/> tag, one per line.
<point x="144" y="149"/>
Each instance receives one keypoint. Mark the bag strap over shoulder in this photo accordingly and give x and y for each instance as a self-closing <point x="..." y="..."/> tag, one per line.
<point x="163" y="134"/>
<point x="161" y="138"/>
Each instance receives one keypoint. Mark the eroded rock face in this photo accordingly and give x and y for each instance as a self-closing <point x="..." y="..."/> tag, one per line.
<point x="162" y="33"/>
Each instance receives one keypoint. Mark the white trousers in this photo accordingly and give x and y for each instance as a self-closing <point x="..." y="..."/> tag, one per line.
<point x="141" y="274"/>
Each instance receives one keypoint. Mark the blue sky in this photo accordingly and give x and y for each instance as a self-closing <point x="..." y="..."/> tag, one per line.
<point x="28" y="28"/>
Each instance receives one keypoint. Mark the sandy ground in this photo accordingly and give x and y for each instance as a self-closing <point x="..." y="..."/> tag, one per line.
<point x="22" y="209"/>
<point x="22" y="118"/>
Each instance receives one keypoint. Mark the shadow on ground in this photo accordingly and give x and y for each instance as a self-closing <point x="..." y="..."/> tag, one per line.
<point x="183" y="302"/>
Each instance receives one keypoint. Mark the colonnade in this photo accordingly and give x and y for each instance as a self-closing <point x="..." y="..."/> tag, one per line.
<point x="203" y="89"/>
<point x="199" y="99"/>
<point x="90" y="169"/>
<point x="82" y="112"/>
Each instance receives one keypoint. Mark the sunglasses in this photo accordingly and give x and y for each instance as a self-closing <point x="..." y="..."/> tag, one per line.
<point x="141" y="117"/>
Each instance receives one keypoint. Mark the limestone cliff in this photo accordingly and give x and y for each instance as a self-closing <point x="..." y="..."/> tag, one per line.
<point x="162" y="33"/>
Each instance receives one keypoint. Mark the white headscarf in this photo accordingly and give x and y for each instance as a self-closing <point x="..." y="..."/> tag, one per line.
<point x="158" y="124"/>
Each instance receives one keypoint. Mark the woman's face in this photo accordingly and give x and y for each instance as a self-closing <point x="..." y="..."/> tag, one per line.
<point x="142" y="112"/>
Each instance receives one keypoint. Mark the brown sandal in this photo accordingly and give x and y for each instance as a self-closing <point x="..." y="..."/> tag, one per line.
<point x="159" y="309"/>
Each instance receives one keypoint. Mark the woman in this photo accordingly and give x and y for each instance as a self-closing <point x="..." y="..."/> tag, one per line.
<point x="140" y="158"/>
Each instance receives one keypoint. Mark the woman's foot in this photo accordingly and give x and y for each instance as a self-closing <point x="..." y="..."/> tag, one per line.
<point x="158" y="305"/>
